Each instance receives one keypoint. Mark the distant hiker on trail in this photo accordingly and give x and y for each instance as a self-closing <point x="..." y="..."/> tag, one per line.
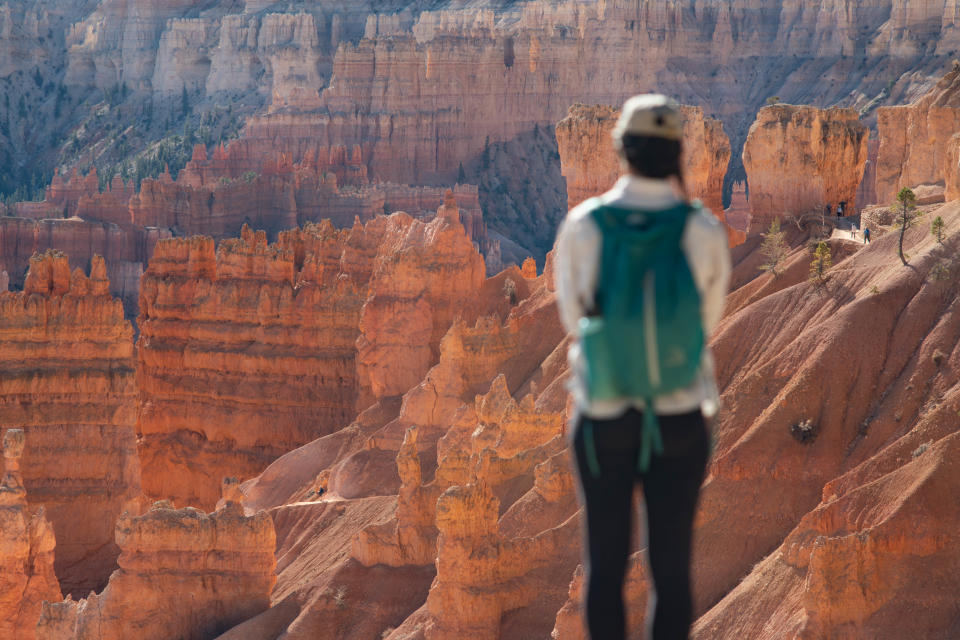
<point x="840" y="209"/>
<point x="853" y="231"/>
<point x="829" y="211"/>
<point x="641" y="276"/>
<point x="866" y="235"/>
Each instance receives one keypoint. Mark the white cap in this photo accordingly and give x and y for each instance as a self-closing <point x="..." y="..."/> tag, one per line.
<point x="650" y="114"/>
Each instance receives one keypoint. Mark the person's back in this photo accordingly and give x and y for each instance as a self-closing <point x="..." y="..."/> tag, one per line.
<point x="616" y="440"/>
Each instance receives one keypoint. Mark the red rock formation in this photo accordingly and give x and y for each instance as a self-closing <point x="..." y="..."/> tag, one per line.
<point x="26" y="549"/>
<point x="223" y="561"/>
<point x="264" y="363"/>
<point x="424" y="275"/>
<point x="799" y="159"/>
<point x="68" y="381"/>
<point x="124" y="251"/>
<point x="916" y="141"/>
<point x="591" y="166"/>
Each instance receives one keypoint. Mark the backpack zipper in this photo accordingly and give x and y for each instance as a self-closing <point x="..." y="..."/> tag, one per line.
<point x="650" y="329"/>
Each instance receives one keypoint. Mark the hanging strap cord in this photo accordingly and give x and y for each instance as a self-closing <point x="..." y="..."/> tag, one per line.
<point x="651" y="440"/>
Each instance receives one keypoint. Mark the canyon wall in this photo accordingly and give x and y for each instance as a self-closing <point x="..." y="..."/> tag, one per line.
<point x="183" y="574"/>
<point x="801" y="159"/>
<point x="68" y="380"/>
<point x="124" y="250"/>
<point x="26" y="549"/>
<point x="591" y="165"/>
<point x="918" y="143"/>
<point x="321" y="324"/>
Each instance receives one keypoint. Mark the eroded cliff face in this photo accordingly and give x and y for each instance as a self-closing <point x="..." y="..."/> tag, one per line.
<point x="322" y="323"/>
<point x="26" y="549"/>
<point x="68" y="381"/>
<point x="800" y="159"/>
<point x="183" y="574"/>
<point x="591" y="166"/>
<point x="918" y="143"/>
<point x="124" y="251"/>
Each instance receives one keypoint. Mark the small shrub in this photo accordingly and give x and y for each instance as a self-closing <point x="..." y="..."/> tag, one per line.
<point x="340" y="596"/>
<point x="938" y="357"/>
<point x="875" y="289"/>
<point x="805" y="431"/>
<point x="250" y="176"/>
<point x="386" y="632"/>
<point x="923" y="447"/>
<point x="510" y="290"/>
<point x="940" y="271"/>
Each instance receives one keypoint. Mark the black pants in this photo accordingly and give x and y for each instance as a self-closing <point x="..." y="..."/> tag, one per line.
<point x="670" y="488"/>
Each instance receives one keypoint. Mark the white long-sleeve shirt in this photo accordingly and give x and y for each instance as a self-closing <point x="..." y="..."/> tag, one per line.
<point x="576" y="264"/>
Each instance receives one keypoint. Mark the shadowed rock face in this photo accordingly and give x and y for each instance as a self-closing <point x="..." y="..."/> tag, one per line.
<point x="26" y="549"/>
<point x="799" y="159"/>
<point x="222" y="561"/>
<point x="67" y="379"/>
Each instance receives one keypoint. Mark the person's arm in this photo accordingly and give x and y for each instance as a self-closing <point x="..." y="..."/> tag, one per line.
<point x="575" y="267"/>
<point x="718" y="280"/>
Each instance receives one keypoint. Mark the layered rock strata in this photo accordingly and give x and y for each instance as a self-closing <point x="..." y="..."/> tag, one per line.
<point x="800" y="160"/>
<point x="68" y="380"/>
<point x="591" y="166"/>
<point x="223" y="560"/>
<point x="918" y="142"/>
<point x="124" y="251"/>
<point x="322" y="323"/>
<point x="26" y="549"/>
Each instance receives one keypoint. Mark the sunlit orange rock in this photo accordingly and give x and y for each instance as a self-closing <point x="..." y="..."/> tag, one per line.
<point x="916" y="141"/>
<point x="26" y="549"/>
<point x="801" y="159"/>
<point x="183" y="574"/>
<point x="68" y="380"/>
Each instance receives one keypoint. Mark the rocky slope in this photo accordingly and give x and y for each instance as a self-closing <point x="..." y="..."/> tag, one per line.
<point x="197" y="574"/>
<point x="484" y="518"/>
<point x="68" y="380"/>
<point x="801" y="159"/>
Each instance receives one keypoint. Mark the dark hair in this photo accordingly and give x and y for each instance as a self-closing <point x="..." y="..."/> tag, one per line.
<point x="652" y="157"/>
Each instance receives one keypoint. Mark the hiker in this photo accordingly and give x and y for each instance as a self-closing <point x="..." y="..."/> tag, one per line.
<point x="840" y="209"/>
<point x="641" y="276"/>
<point x="829" y="211"/>
<point x="866" y="235"/>
<point x="853" y="231"/>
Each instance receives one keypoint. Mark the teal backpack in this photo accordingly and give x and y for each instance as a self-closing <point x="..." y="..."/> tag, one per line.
<point x="643" y="336"/>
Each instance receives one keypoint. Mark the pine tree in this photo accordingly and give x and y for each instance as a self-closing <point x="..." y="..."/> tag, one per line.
<point x="461" y="175"/>
<point x="908" y="203"/>
<point x="185" y="101"/>
<point x="774" y="248"/>
<point x="821" y="263"/>
<point x="936" y="228"/>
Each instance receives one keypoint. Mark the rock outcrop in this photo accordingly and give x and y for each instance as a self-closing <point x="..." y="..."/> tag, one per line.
<point x="919" y="143"/>
<point x="26" y="549"/>
<point x="68" y="380"/>
<point x="800" y="159"/>
<point x="124" y="251"/>
<point x="322" y="323"/>
<point x="591" y="166"/>
<point x="223" y="561"/>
